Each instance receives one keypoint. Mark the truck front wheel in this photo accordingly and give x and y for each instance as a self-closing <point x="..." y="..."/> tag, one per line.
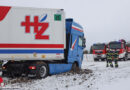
<point x="125" y="58"/>
<point x="96" y="59"/>
<point x="42" y="71"/>
<point x="75" y="67"/>
<point x="103" y="59"/>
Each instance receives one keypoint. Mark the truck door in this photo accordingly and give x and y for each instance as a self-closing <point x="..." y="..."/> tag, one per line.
<point x="73" y="46"/>
<point x="80" y="48"/>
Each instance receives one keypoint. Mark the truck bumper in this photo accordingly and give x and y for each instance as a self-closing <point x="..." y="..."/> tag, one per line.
<point x="13" y="68"/>
<point x="32" y="72"/>
<point x="122" y="55"/>
<point x="102" y="56"/>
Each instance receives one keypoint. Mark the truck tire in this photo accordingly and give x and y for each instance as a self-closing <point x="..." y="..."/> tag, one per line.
<point x="128" y="58"/>
<point x="95" y="60"/>
<point x="125" y="58"/>
<point x="74" y="67"/>
<point x="4" y="73"/>
<point x="102" y="59"/>
<point x="42" y="71"/>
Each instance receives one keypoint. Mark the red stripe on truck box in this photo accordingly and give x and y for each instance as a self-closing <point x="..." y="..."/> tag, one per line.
<point x="31" y="45"/>
<point x="3" y="11"/>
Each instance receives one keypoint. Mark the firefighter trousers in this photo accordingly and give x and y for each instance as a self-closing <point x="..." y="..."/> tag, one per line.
<point x="109" y="62"/>
<point x="116" y="62"/>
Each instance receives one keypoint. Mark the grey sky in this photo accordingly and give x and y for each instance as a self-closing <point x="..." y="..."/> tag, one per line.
<point x="102" y="20"/>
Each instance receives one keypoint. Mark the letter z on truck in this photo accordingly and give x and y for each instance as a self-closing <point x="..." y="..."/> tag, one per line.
<point x="37" y="41"/>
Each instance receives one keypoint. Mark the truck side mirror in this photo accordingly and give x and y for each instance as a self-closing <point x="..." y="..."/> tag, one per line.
<point x="84" y="42"/>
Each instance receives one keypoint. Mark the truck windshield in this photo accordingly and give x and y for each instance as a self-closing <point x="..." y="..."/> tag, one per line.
<point x="115" y="46"/>
<point x="99" y="47"/>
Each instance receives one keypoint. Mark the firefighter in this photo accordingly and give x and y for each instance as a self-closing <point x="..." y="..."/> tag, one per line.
<point x="115" y="57"/>
<point x="109" y="58"/>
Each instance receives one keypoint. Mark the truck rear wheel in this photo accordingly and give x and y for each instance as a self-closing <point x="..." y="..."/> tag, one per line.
<point x="42" y="71"/>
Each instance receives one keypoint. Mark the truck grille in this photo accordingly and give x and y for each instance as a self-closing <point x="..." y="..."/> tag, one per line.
<point x="98" y="52"/>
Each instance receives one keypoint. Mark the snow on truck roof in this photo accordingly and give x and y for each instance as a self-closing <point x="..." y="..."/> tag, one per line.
<point x="33" y="7"/>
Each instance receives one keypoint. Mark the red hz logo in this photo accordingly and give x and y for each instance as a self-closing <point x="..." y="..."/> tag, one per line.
<point x="36" y="24"/>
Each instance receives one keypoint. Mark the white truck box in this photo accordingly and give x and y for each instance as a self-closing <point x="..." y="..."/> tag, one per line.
<point x="32" y="33"/>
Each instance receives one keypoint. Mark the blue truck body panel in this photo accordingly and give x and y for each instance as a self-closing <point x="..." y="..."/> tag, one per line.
<point x="59" y="68"/>
<point x="75" y="50"/>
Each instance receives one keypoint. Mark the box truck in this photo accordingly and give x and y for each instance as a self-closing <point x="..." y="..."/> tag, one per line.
<point x="39" y="41"/>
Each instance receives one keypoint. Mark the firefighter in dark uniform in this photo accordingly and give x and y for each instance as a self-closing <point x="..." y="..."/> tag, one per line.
<point x="109" y="58"/>
<point x="115" y="57"/>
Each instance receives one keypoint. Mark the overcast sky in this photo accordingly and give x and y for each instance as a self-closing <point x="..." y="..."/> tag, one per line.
<point x="102" y="20"/>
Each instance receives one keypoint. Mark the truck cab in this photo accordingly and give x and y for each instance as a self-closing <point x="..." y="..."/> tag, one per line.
<point x="120" y="47"/>
<point x="75" y="37"/>
<point x="128" y="50"/>
<point x="99" y="51"/>
<point x="75" y="43"/>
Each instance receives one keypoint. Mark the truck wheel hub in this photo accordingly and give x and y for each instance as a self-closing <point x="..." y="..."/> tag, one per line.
<point x="42" y="71"/>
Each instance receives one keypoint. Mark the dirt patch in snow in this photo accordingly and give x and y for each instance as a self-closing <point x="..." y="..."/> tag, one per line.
<point x="82" y="74"/>
<point x="79" y="77"/>
<point x="18" y="80"/>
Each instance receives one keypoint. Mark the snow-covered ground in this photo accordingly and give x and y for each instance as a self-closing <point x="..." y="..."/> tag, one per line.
<point x="109" y="78"/>
<point x="102" y="78"/>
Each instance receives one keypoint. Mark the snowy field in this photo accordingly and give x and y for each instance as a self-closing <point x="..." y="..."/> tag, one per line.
<point x="101" y="78"/>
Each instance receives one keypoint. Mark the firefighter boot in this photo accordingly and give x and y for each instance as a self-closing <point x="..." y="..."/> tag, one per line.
<point x="107" y="65"/>
<point x="111" y="65"/>
<point x="116" y="64"/>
